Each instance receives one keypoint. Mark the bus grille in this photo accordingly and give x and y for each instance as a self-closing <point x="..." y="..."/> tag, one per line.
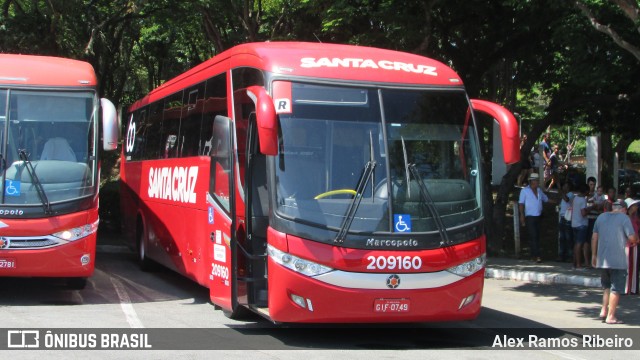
<point x="30" y="242"/>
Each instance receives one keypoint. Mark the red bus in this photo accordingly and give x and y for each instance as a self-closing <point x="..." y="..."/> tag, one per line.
<point x="49" y="138"/>
<point x="314" y="183"/>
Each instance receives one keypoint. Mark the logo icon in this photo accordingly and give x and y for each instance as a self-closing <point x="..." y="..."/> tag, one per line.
<point x="402" y="222"/>
<point x="211" y="218"/>
<point x="23" y="339"/>
<point x="131" y="135"/>
<point x="4" y="243"/>
<point x="393" y="281"/>
<point x="12" y="188"/>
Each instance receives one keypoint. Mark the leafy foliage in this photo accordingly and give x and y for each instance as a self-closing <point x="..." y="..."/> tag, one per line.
<point x="569" y="63"/>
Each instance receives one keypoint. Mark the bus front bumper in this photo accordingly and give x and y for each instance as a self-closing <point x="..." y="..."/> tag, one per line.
<point x="297" y="298"/>
<point x="73" y="259"/>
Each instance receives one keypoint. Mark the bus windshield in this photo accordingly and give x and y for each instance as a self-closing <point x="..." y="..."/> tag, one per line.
<point x="47" y="143"/>
<point x="409" y="143"/>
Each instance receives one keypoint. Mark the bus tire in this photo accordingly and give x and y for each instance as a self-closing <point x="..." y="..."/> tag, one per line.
<point x="144" y="262"/>
<point x="77" y="283"/>
<point x="240" y="313"/>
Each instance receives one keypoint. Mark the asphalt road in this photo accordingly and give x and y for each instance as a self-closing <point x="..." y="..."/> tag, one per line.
<point x="120" y="296"/>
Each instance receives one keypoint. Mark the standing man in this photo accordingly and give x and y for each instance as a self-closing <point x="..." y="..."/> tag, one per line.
<point x="546" y="150"/>
<point x="553" y="169"/>
<point x="530" y="205"/>
<point x="612" y="232"/>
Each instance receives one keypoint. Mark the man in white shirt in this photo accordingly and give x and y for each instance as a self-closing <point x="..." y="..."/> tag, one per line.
<point x="530" y="204"/>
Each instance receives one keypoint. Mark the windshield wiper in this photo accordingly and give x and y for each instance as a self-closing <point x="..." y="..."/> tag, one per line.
<point x="367" y="174"/>
<point x="424" y="195"/>
<point x="46" y="205"/>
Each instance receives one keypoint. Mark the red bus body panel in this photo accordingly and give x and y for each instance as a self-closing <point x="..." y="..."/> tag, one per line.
<point x="354" y="63"/>
<point x="194" y="238"/>
<point x="45" y="71"/>
<point x="58" y="261"/>
<point x="63" y="260"/>
<point x="341" y="305"/>
<point x="166" y="189"/>
<point x="333" y="304"/>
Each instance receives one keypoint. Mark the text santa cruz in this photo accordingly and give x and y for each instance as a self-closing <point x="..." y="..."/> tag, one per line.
<point x="368" y="64"/>
<point x="173" y="183"/>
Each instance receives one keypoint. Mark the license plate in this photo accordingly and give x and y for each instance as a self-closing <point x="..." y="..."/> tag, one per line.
<point x="7" y="263"/>
<point x="391" y="305"/>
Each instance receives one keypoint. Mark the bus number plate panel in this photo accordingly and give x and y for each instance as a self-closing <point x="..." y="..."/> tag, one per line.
<point x="391" y="305"/>
<point x="7" y="263"/>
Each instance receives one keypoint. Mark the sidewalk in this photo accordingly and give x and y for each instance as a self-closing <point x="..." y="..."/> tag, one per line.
<point x="548" y="272"/>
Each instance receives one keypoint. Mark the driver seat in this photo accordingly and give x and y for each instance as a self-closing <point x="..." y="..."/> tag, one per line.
<point x="58" y="148"/>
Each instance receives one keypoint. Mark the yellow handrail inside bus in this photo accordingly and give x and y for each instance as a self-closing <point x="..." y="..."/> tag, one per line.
<point x="335" y="192"/>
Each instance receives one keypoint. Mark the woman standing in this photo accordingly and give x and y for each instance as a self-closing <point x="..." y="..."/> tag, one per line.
<point x="632" y="251"/>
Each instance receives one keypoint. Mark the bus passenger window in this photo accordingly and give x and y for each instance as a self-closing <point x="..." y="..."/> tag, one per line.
<point x="220" y="163"/>
<point x="170" y="146"/>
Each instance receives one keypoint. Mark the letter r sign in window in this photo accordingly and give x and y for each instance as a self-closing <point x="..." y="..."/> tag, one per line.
<point x="283" y="106"/>
<point x="282" y="97"/>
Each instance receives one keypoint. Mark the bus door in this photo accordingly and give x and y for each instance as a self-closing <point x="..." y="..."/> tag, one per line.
<point x="254" y="251"/>
<point x="221" y="218"/>
<point x="238" y="277"/>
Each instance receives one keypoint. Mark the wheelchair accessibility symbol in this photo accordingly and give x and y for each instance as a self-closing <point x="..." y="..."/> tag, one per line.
<point x="211" y="215"/>
<point x="402" y="222"/>
<point x="11" y="188"/>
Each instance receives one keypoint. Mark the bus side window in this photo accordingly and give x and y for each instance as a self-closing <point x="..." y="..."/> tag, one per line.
<point x="152" y="132"/>
<point x="191" y="124"/>
<point x="243" y="107"/>
<point x="214" y="103"/>
<point x="171" y="117"/>
<point x="221" y="162"/>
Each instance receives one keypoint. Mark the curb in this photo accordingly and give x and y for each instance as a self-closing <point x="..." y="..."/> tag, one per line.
<point x="544" y="278"/>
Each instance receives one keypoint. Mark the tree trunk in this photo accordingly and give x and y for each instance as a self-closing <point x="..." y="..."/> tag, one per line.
<point x="623" y="145"/>
<point x="495" y="240"/>
<point x="606" y="174"/>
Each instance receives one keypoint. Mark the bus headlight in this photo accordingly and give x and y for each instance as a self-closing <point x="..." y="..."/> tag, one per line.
<point x="304" y="267"/>
<point x="470" y="267"/>
<point x="78" y="232"/>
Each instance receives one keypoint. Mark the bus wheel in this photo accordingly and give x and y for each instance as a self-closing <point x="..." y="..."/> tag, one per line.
<point x="77" y="283"/>
<point x="144" y="262"/>
<point x="240" y="313"/>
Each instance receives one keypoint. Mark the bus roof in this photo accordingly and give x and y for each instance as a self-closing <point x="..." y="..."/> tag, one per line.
<point x="31" y="70"/>
<point x="320" y="60"/>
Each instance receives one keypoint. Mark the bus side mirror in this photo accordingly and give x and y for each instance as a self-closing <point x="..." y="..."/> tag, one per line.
<point x="508" y="128"/>
<point x="266" y="120"/>
<point x="109" y="125"/>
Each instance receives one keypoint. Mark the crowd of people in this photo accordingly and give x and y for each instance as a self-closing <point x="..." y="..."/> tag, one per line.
<point x="595" y="230"/>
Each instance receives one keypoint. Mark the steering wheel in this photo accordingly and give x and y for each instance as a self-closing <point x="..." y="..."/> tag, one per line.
<point x="335" y="192"/>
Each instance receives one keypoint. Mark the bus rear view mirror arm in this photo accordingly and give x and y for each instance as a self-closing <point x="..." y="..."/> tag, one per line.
<point x="109" y="125"/>
<point x="266" y="119"/>
<point x="508" y="128"/>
